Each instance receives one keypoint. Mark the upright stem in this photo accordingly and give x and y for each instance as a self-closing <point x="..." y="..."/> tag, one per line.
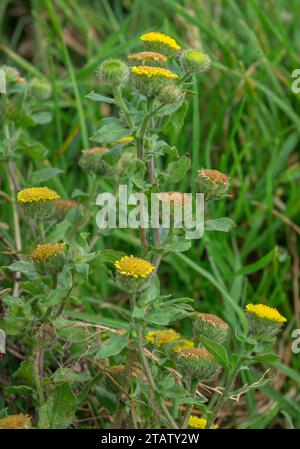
<point x="189" y="408"/>
<point x="12" y="186"/>
<point x="42" y="231"/>
<point x="122" y="105"/>
<point x="226" y="393"/>
<point x="38" y="368"/>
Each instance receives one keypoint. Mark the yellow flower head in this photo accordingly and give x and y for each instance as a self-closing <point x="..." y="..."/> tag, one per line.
<point x="148" y="56"/>
<point x="183" y="344"/>
<point x="160" y="38"/>
<point x="134" y="267"/>
<point x="150" y="72"/>
<point x="265" y="312"/>
<point x="126" y="139"/>
<point x="43" y="252"/>
<point x="162" y="337"/>
<point x="34" y="194"/>
<point x="15" y="422"/>
<point x="198" y="423"/>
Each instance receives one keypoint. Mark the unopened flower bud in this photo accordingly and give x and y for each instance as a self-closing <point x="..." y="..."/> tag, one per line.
<point x="148" y="58"/>
<point x="212" y="183"/>
<point x="211" y="326"/>
<point x="113" y="72"/>
<point x="198" y="363"/>
<point x="170" y="95"/>
<point x="91" y="160"/>
<point x="194" y="61"/>
<point x="41" y="89"/>
<point x="46" y="336"/>
<point x="62" y="207"/>
<point x="48" y="258"/>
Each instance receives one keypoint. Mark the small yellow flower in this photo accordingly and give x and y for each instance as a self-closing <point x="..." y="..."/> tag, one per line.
<point x="153" y="72"/>
<point x="184" y="344"/>
<point x="160" y="38"/>
<point x="162" y="337"/>
<point x="15" y="422"/>
<point x="148" y="56"/>
<point x="34" y="194"/>
<point x="265" y="312"/>
<point x="123" y="140"/>
<point x="134" y="267"/>
<point x="43" y="252"/>
<point x="199" y="423"/>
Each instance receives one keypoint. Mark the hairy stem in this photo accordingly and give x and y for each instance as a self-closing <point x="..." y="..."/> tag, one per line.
<point x="189" y="408"/>
<point x="122" y="105"/>
<point x="38" y="368"/>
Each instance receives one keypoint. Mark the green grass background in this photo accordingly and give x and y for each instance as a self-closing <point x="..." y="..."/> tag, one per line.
<point x="244" y="121"/>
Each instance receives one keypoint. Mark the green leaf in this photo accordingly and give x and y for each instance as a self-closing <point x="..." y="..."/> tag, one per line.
<point x="176" y="244"/>
<point x="223" y="224"/>
<point x="68" y="375"/>
<point x="217" y="350"/>
<point x="162" y="316"/>
<point x="110" y="255"/>
<point x="24" y="267"/>
<point x="136" y="172"/>
<point x="112" y="346"/>
<point x="58" y="411"/>
<point x="97" y="97"/>
<point x="109" y="132"/>
<point x="176" y="120"/>
<point x="268" y="357"/>
<point x="177" y="170"/>
<point x="43" y="175"/>
<point x="42" y="117"/>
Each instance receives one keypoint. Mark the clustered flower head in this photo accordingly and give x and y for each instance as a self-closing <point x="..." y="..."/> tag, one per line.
<point x="212" y="183"/>
<point x="19" y="421"/>
<point x="151" y="80"/>
<point x="37" y="202"/>
<point x="48" y="258"/>
<point x="162" y="337"/>
<point x="264" y="320"/>
<point x="199" y="423"/>
<point x="211" y="326"/>
<point x="92" y="161"/>
<point x="198" y="363"/>
<point x="160" y="42"/>
<point x="148" y="56"/>
<point x="135" y="267"/>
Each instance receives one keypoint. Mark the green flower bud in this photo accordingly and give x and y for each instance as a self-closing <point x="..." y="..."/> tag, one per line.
<point x="49" y="258"/>
<point x="212" y="183"/>
<point x="113" y="72"/>
<point x="46" y="336"/>
<point x="198" y="363"/>
<point x="211" y="326"/>
<point x="91" y="160"/>
<point x="62" y="207"/>
<point x="170" y="95"/>
<point x="41" y="89"/>
<point x="194" y="61"/>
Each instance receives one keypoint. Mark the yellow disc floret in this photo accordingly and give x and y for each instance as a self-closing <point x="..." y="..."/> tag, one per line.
<point x="43" y="252"/>
<point x="265" y="312"/>
<point x="160" y="38"/>
<point x="162" y="337"/>
<point x="134" y="267"/>
<point x="198" y="423"/>
<point x="183" y="344"/>
<point x="15" y="422"/>
<point x="34" y="194"/>
<point x="153" y="72"/>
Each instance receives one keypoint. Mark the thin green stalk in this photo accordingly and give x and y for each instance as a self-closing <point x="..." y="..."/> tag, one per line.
<point x="122" y="105"/>
<point x="189" y="408"/>
<point x="42" y="230"/>
<point x="38" y="363"/>
<point x="225" y="395"/>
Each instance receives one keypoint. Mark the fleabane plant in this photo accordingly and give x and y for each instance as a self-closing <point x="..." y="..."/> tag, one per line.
<point x="153" y="372"/>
